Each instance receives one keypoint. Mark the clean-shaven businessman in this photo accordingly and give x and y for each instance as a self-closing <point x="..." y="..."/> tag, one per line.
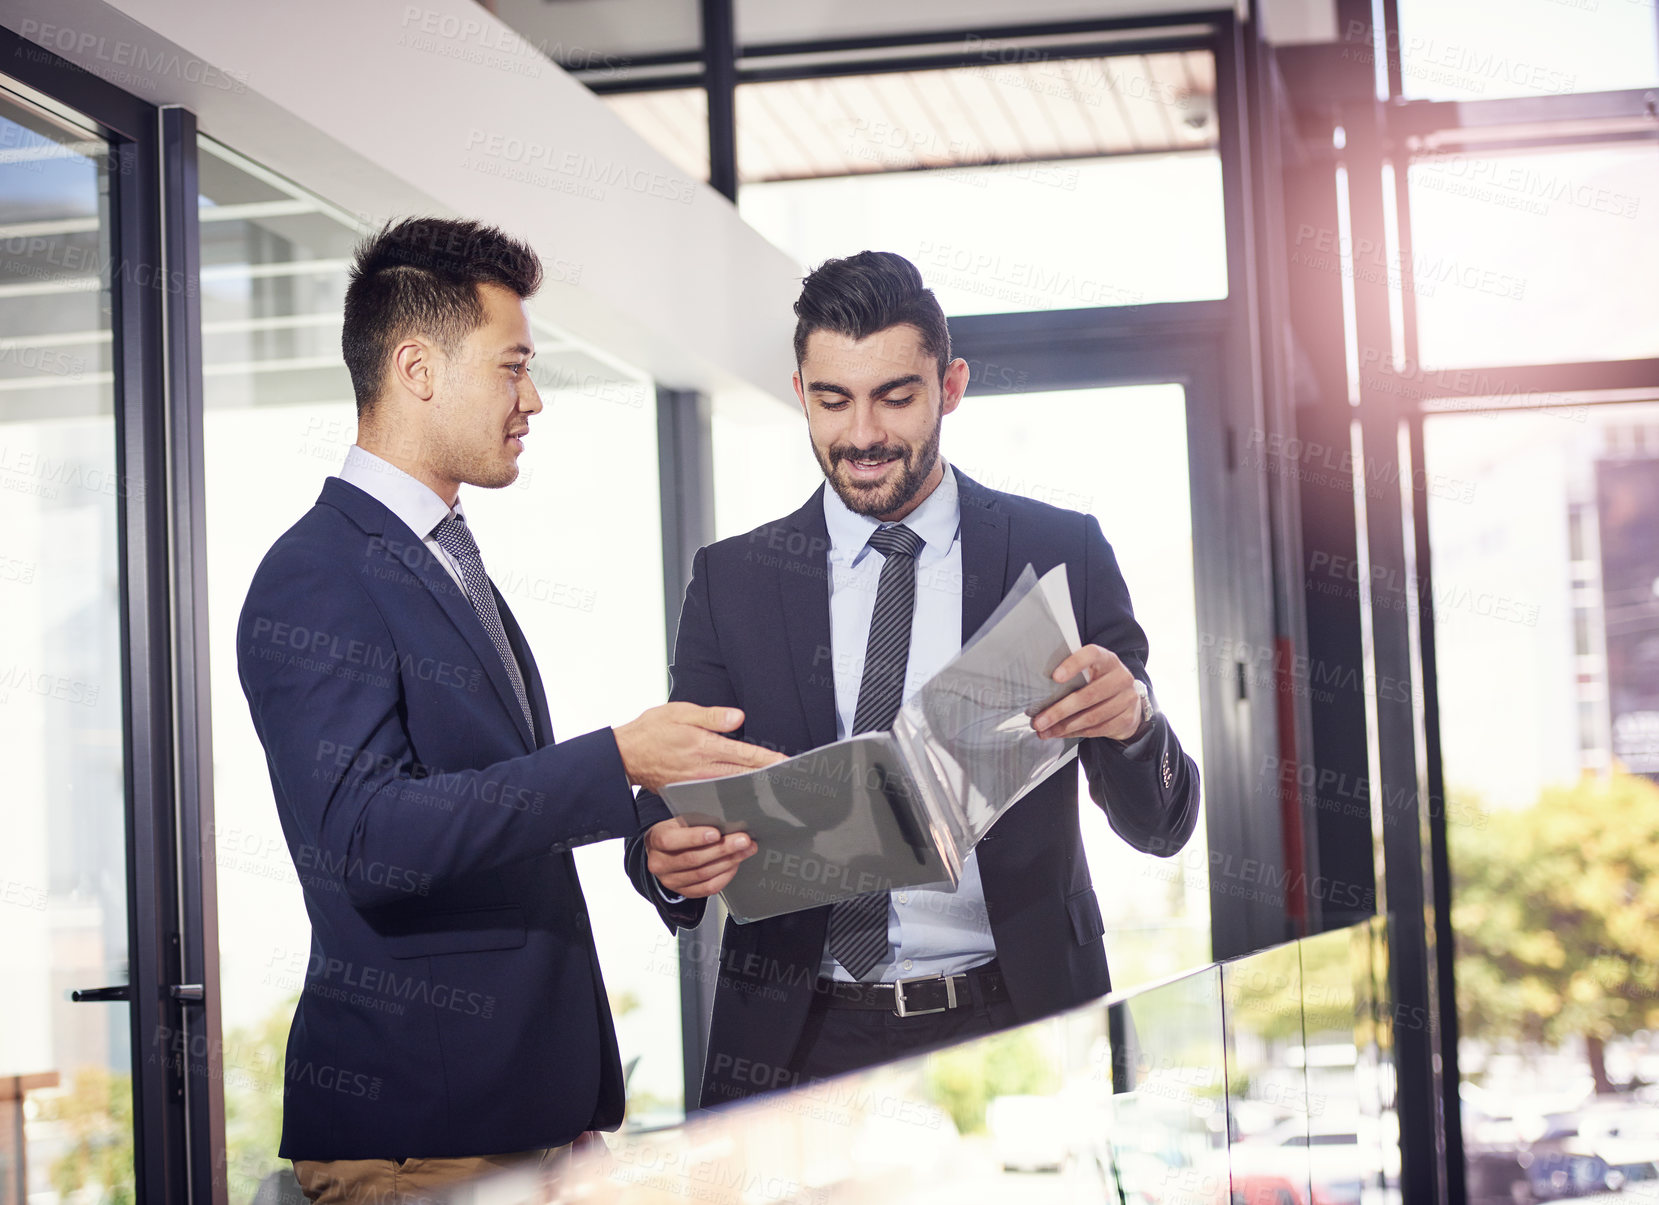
<point x="453" y="1019"/>
<point x="818" y="625"/>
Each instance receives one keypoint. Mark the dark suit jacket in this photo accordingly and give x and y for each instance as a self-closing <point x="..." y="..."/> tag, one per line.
<point x="755" y="633"/>
<point x="452" y="1002"/>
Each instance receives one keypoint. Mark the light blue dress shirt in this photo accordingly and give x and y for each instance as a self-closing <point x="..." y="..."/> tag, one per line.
<point x="410" y="499"/>
<point x="931" y="932"/>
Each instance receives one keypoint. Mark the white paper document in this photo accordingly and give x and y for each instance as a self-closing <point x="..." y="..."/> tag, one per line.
<point x="902" y="808"/>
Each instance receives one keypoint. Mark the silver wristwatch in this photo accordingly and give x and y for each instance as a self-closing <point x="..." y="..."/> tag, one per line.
<point x="1149" y="709"/>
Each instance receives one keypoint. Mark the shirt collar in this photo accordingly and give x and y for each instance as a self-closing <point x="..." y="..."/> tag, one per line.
<point x="936" y="520"/>
<point x="410" y="500"/>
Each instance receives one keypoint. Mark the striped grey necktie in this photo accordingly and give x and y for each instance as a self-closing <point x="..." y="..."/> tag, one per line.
<point x="858" y="927"/>
<point x="455" y="538"/>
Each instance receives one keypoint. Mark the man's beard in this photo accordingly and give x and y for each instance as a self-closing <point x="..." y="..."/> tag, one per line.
<point x="885" y="497"/>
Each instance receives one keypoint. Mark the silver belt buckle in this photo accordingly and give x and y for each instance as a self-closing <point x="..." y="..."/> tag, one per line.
<point x="901" y="1009"/>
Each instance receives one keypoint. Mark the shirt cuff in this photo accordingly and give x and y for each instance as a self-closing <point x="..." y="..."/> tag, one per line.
<point x="668" y="897"/>
<point x="1141" y="748"/>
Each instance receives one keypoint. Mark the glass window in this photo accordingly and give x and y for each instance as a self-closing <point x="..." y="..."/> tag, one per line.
<point x="1469" y="50"/>
<point x="763" y="462"/>
<point x="279" y="416"/>
<point x="1550" y="728"/>
<point x="1047" y="184"/>
<point x="1031" y="236"/>
<point x="1157" y="910"/>
<point x="1502" y="597"/>
<point x="279" y="419"/>
<point x="1535" y="257"/>
<point x="65" y="1069"/>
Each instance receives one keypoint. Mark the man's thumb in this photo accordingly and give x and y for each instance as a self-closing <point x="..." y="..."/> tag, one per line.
<point x="722" y="719"/>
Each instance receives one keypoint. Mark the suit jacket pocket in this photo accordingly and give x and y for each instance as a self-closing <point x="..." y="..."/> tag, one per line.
<point x="1086" y="922"/>
<point x="456" y="932"/>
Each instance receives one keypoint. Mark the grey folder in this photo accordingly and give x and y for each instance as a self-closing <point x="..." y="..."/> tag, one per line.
<point x="903" y="808"/>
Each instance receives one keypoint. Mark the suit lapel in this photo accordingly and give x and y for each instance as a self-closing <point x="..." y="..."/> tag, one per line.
<point x="984" y="553"/>
<point x="397" y="543"/>
<point x="802" y="543"/>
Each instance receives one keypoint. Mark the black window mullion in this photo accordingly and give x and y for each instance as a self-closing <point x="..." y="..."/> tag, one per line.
<point x="160" y="1049"/>
<point x="198" y="922"/>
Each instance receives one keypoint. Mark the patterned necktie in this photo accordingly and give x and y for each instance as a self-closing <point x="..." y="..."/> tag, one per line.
<point x="455" y="538"/>
<point x="858" y="927"/>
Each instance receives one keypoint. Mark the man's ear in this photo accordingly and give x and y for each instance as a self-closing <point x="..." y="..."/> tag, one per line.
<point x="800" y="393"/>
<point x="955" y="384"/>
<point x="415" y="367"/>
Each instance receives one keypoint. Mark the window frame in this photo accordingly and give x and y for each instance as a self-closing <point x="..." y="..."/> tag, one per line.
<point x="178" y="1099"/>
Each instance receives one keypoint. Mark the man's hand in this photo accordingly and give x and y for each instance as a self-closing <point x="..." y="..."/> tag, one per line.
<point x="694" y="862"/>
<point x="1109" y="705"/>
<point x="678" y="742"/>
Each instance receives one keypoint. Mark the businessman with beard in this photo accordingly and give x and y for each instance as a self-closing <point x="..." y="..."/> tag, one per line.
<point x="817" y="626"/>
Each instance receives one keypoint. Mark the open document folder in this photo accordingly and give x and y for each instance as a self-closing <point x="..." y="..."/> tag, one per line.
<point x="903" y="808"/>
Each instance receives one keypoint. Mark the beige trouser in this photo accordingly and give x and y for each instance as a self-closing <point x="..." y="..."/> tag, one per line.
<point x="415" y="1181"/>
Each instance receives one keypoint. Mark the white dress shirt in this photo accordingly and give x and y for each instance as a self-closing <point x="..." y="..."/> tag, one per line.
<point x="930" y="931"/>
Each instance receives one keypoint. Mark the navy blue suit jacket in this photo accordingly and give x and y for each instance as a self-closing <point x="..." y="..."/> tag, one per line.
<point x="452" y="1003"/>
<point x="755" y="633"/>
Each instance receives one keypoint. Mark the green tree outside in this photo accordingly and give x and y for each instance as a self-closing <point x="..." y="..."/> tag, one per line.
<point x="96" y="1114"/>
<point x="964" y="1080"/>
<point x="1556" y="910"/>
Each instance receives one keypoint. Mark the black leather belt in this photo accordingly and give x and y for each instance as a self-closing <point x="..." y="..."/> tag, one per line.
<point x="919" y="996"/>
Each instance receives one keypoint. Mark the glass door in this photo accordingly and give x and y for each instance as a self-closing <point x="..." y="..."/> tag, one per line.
<point x="66" y="1114"/>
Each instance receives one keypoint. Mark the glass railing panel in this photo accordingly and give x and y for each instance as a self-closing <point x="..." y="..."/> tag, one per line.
<point x="1353" y="1134"/>
<point x="1053" y="1111"/>
<point x="1168" y="1135"/>
<point x="1020" y="1115"/>
<point x="1271" y="1124"/>
<point x="1372" y="938"/>
<point x="1263" y="1081"/>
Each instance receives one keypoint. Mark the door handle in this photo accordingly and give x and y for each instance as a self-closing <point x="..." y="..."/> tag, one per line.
<point x="184" y="993"/>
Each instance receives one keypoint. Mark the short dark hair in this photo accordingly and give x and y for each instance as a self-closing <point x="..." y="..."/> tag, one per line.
<point x="421" y="276"/>
<point x="869" y="292"/>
